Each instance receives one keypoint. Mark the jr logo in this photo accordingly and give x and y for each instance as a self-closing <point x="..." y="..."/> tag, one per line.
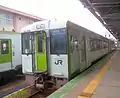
<point x="59" y="62"/>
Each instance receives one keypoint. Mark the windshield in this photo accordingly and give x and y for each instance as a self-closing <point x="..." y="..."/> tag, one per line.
<point x="58" y="41"/>
<point x="26" y="43"/>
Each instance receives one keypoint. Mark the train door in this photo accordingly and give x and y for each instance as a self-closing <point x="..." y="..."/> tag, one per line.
<point x="27" y="50"/>
<point x="41" y="56"/>
<point x="5" y="54"/>
<point x="83" y="54"/>
<point x="74" y="63"/>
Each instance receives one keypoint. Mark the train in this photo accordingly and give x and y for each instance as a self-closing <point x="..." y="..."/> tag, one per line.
<point x="10" y="55"/>
<point x="53" y="52"/>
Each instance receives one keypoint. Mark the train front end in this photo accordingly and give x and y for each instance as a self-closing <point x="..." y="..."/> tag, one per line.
<point x="45" y="56"/>
<point x="58" y="55"/>
<point x="34" y="58"/>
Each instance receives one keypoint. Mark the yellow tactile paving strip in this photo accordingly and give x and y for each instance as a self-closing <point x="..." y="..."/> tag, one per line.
<point x="89" y="90"/>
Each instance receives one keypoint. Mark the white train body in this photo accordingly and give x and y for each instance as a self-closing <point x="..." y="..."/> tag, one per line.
<point x="10" y="54"/>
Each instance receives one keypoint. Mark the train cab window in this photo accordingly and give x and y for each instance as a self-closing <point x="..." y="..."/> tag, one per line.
<point x="26" y="43"/>
<point x="4" y="47"/>
<point x="58" y="41"/>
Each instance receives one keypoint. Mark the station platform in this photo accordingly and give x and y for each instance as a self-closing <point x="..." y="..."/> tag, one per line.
<point x="101" y="80"/>
<point x="109" y="87"/>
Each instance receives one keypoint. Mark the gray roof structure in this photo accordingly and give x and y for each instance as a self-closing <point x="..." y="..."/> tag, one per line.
<point x="109" y="14"/>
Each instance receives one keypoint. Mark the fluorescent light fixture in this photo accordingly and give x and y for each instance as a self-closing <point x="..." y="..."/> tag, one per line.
<point x="104" y="23"/>
<point x="97" y="13"/>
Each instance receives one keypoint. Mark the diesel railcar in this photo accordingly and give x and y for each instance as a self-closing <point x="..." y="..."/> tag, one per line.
<point x="10" y="55"/>
<point x="56" y="51"/>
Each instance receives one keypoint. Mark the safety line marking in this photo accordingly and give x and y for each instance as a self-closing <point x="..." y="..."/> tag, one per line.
<point x="89" y="90"/>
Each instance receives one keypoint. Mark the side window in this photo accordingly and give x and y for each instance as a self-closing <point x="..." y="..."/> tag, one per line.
<point x="40" y="43"/>
<point x="76" y="43"/>
<point x="4" y="47"/>
<point x="71" y="43"/>
<point x="97" y="44"/>
<point x="91" y="44"/>
<point x="100" y="44"/>
<point x="105" y="44"/>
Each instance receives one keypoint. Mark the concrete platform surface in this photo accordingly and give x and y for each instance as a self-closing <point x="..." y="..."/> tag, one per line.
<point x="109" y="87"/>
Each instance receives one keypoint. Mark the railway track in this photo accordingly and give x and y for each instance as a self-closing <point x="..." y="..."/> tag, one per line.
<point x="43" y="94"/>
<point x="19" y="89"/>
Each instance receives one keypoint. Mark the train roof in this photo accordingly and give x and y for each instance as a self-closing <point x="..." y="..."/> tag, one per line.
<point x="44" y="25"/>
<point x="51" y="24"/>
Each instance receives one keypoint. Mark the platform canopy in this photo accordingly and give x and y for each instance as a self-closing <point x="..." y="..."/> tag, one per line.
<point x="108" y="12"/>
